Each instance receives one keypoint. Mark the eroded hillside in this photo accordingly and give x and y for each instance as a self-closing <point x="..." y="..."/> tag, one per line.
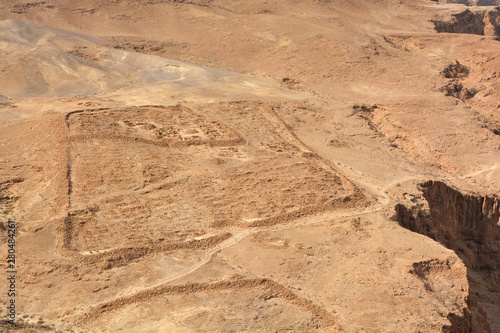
<point x="258" y="166"/>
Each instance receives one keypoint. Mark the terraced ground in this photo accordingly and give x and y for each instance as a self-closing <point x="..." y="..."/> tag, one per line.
<point x="187" y="166"/>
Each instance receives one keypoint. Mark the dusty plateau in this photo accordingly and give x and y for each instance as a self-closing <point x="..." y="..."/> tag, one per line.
<point x="256" y="166"/>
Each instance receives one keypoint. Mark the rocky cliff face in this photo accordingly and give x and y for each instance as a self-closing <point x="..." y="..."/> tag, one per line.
<point x="479" y="22"/>
<point x="464" y="222"/>
<point x="474" y="2"/>
<point x="469" y="225"/>
<point x="492" y="22"/>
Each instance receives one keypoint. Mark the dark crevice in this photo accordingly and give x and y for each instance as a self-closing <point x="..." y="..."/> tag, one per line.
<point x="478" y="22"/>
<point x="469" y="225"/>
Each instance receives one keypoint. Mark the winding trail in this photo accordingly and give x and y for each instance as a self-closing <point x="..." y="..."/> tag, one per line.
<point x="383" y="201"/>
<point x="481" y="171"/>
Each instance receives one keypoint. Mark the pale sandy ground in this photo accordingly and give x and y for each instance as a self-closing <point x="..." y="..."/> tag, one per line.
<point x="222" y="166"/>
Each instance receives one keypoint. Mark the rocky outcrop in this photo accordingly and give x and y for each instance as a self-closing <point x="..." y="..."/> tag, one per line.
<point x="462" y="222"/>
<point x="492" y="22"/>
<point x="469" y="225"/>
<point x="474" y="2"/>
<point x="457" y="90"/>
<point x="479" y="22"/>
<point x="455" y="72"/>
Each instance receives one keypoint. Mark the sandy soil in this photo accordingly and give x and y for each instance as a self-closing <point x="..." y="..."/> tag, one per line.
<point x="210" y="165"/>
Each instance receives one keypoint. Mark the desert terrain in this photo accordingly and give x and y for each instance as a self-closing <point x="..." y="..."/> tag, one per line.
<point x="257" y="166"/>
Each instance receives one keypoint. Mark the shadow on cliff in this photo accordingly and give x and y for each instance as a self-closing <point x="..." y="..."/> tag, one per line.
<point x="482" y="22"/>
<point x="469" y="225"/>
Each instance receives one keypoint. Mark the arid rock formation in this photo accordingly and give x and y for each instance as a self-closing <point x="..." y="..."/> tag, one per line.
<point x="249" y="166"/>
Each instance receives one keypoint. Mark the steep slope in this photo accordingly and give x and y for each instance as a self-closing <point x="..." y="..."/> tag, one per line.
<point x="469" y="225"/>
<point x="479" y="22"/>
<point x="216" y="166"/>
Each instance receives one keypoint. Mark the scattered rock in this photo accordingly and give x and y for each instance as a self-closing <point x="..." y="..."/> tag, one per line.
<point x="455" y="71"/>
<point x="457" y="90"/>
